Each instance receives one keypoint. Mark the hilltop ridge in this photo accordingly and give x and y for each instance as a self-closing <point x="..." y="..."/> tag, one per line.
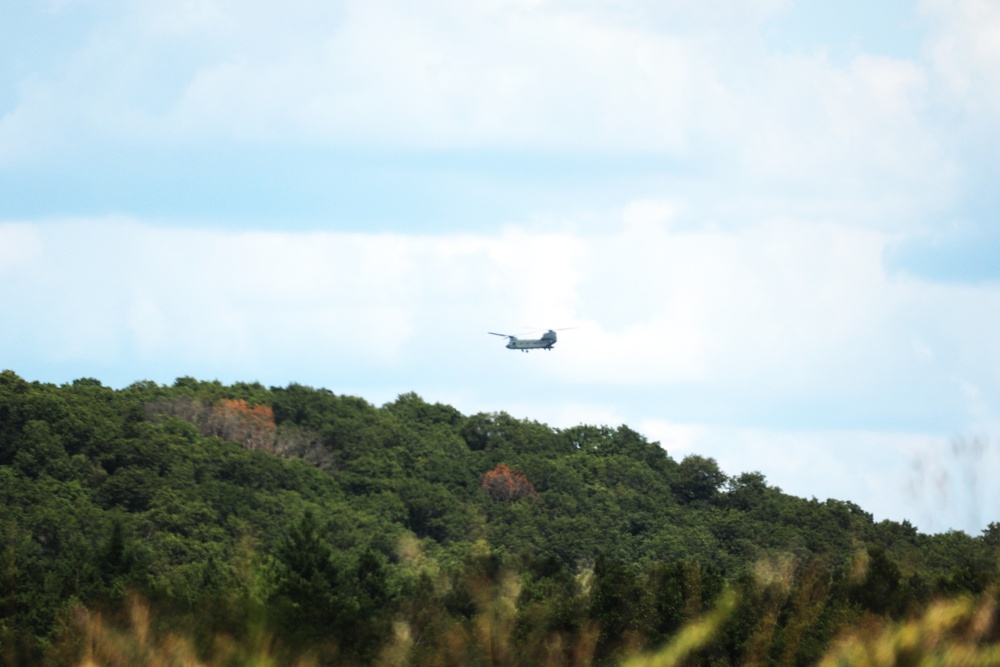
<point x="334" y="518"/>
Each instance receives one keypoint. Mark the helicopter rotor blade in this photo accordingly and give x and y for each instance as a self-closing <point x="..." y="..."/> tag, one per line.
<point x="498" y="334"/>
<point x="550" y="328"/>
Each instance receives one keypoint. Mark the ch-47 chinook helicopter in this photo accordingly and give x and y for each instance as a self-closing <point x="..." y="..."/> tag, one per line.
<point x="546" y="342"/>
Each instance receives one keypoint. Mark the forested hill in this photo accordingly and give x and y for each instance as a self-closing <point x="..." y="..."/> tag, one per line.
<point x="330" y="522"/>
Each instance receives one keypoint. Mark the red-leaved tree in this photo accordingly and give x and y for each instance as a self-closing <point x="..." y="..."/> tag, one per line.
<point x="505" y="485"/>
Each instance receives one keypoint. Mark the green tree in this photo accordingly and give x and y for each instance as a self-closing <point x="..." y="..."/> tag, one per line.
<point x="877" y="590"/>
<point x="120" y="563"/>
<point x="617" y="604"/>
<point x="697" y="479"/>
<point x="307" y="581"/>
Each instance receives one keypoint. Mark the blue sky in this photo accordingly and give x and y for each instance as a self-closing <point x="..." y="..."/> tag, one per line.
<point x="773" y="224"/>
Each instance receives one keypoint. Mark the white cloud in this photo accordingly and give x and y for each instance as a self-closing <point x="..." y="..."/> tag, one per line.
<point x="965" y="52"/>
<point x="679" y="440"/>
<point x="19" y="246"/>
<point x="691" y="82"/>
<point x="454" y="75"/>
<point x="746" y="134"/>
<point x="950" y="484"/>
<point x="787" y="299"/>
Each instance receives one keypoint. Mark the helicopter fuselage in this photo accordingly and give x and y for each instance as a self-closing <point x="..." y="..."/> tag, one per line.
<point x="546" y="342"/>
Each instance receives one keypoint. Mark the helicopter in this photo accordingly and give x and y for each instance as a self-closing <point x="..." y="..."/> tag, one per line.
<point x="546" y="342"/>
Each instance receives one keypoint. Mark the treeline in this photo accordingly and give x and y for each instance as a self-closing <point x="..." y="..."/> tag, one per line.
<point x="297" y="523"/>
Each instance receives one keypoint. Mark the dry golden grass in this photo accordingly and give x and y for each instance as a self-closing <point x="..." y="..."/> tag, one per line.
<point x="950" y="633"/>
<point x="137" y="643"/>
<point x="960" y="632"/>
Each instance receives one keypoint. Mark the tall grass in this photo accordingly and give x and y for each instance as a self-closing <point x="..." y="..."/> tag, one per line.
<point x="136" y="640"/>
<point x="961" y="632"/>
<point x="956" y="632"/>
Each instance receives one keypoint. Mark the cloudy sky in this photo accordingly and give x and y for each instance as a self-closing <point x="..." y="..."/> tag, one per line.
<point x="772" y="224"/>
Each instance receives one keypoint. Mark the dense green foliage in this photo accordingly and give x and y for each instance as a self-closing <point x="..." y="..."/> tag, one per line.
<point x="349" y="531"/>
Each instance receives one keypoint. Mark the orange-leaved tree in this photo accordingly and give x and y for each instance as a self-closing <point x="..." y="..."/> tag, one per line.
<point x="505" y="485"/>
<point x="250" y="425"/>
